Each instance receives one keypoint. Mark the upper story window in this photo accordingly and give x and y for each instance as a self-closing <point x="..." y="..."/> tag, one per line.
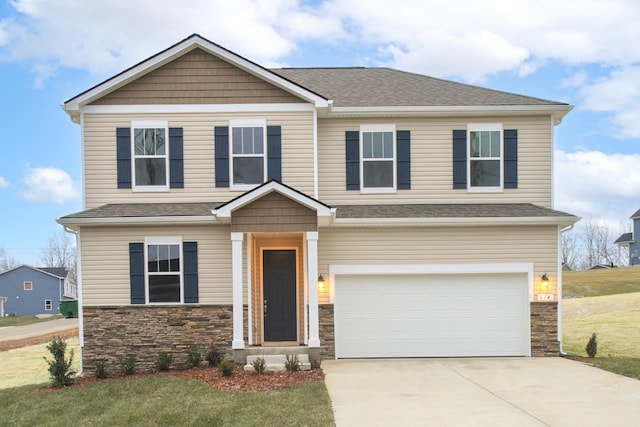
<point x="164" y="269"/>
<point x="248" y="160"/>
<point x="485" y="156"/>
<point x="150" y="155"/>
<point x="27" y="286"/>
<point x="378" y="160"/>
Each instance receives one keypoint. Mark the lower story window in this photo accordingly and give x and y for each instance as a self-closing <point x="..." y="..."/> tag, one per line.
<point x="164" y="270"/>
<point x="47" y="304"/>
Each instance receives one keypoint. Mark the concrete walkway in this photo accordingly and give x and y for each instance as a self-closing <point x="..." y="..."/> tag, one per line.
<point x="10" y="333"/>
<point x="479" y="392"/>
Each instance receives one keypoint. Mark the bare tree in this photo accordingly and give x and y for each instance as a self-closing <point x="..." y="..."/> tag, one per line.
<point x="597" y="239"/>
<point x="570" y="250"/>
<point x="6" y="261"/>
<point x="61" y="253"/>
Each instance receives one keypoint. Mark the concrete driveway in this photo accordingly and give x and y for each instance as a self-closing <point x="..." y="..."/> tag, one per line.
<point x="479" y="392"/>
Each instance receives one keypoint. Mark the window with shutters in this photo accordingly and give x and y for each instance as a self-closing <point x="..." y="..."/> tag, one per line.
<point x="378" y="158"/>
<point x="163" y="270"/>
<point x="150" y="151"/>
<point x="485" y="162"/>
<point x="248" y="154"/>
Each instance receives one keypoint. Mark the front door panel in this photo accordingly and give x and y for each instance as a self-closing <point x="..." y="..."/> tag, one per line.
<point x="279" y="292"/>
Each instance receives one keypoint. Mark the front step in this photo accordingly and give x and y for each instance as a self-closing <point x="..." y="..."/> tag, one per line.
<point x="275" y="362"/>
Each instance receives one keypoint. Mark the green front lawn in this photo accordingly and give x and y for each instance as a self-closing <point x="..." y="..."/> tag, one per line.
<point x="164" y="400"/>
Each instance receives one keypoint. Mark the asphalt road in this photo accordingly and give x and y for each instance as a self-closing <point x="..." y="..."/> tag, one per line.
<point x="10" y="333"/>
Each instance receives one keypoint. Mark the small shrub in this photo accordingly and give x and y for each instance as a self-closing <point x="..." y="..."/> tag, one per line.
<point x="259" y="365"/>
<point x="592" y="346"/>
<point x="163" y="361"/>
<point x="194" y="357"/>
<point x="214" y="356"/>
<point x="226" y="367"/>
<point x="101" y="369"/>
<point x="128" y="364"/>
<point x="60" y="370"/>
<point x="292" y="364"/>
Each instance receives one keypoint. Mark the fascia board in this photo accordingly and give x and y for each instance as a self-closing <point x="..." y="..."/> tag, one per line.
<point x="74" y="104"/>
<point x="74" y="223"/>
<point x="443" y="222"/>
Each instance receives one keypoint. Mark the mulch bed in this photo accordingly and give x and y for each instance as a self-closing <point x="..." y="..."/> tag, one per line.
<point x="239" y="381"/>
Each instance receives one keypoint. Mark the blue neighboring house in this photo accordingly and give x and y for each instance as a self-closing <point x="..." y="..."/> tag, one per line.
<point x="28" y="291"/>
<point x="630" y="241"/>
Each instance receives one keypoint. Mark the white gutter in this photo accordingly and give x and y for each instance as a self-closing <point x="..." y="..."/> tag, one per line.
<point x="411" y="222"/>
<point x="163" y="220"/>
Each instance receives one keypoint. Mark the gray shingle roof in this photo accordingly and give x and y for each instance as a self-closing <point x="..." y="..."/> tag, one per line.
<point x="495" y="210"/>
<point x="364" y="87"/>
<point x="624" y="238"/>
<point x="636" y="214"/>
<point x="56" y="271"/>
<point x="143" y="210"/>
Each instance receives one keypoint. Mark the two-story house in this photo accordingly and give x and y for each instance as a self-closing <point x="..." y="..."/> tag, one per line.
<point x="354" y="212"/>
<point x="28" y="291"/>
<point x="628" y="240"/>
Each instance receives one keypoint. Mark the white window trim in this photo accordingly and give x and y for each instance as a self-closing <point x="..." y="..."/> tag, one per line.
<point x="142" y="124"/>
<point x="378" y="128"/>
<point x="24" y="285"/>
<point x="163" y="240"/>
<point x="50" y="305"/>
<point x="239" y="123"/>
<point x="472" y="127"/>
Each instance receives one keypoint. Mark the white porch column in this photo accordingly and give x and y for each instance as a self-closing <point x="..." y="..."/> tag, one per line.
<point x="236" y="262"/>
<point x="312" y="281"/>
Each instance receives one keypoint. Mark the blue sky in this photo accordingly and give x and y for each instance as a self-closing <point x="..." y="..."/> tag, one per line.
<point x="582" y="52"/>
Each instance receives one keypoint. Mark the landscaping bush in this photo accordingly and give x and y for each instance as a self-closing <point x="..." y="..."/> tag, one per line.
<point x="60" y="370"/>
<point x="101" y="369"/>
<point x="292" y="364"/>
<point x="128" y="364"/>
<point x="226" y="367"/>
<point x="259" y="365"/>
<point x="592" y="346"/>
<point x="194" y="357"/>
<point x="163" y="361"/>
<point x="214" y="356"/>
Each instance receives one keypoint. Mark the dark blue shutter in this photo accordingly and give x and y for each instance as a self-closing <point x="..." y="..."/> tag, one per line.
<point x="123" y="157"/>
<point x="274" y="153"/>
<point x="190" y="263"/>
<point x="459" y="159"/>
<point x="221" y="136"/>
<point x="352" y="146"/>
<point x="510" y="158"/>
<point x="136" y="272"/>
<point x="403" y="151"/>
<point x="176" y="159"/>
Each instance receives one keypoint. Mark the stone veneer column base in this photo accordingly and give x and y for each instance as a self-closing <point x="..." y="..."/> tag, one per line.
<point x="326" y="331"/>
<point x="113" y="332"/>
<point x="544" y="329"/>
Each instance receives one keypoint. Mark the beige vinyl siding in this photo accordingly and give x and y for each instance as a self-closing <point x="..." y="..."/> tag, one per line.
<point x="441" y="245"/>
<point x="105" y="261"/>
<point x="199" y="173"/>
<point x="432" y="160"/>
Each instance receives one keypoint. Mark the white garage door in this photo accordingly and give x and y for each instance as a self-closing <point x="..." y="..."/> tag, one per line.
<point x="445" y="315"/>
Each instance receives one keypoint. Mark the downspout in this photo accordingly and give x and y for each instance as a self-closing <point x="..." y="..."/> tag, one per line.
<point x="315" y="153"/>
<point x="78" y="295"/>
<point x="562" y="230"/>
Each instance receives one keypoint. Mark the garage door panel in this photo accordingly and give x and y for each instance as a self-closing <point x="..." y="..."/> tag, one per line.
<point x="432" y="315"/>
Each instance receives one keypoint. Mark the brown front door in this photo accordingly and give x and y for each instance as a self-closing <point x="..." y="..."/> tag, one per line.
<point x="279" y="291"/>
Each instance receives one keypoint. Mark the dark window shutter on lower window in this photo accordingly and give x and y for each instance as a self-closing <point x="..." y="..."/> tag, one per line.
<point x="176" y="158"/>
<point x="136" y="272"/>
<point x="123" y="157"/>
<point x="190" y="263"/>
<point x="221" y="137"/>
<point x="274" y="153"/>
<point x="403" y="151"/>
<point x="352" y="147"/>
<point x="459" y="159"/>
<point x="510" y="158"/>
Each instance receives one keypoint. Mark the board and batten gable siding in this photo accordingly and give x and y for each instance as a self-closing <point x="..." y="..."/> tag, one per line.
<point x="431" y="153"/>
<point x="100" y="171"/>
<point x="440" y="245"/>
<point x="274" y="213"/>
<point x="197" y="77"/>
<point x="105" y="261"/>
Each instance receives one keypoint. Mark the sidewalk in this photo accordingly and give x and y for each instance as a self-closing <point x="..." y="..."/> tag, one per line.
<point x="12" y="333"/>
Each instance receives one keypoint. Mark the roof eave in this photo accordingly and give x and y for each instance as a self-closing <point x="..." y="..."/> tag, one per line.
<point x="74" y="105"/>
<point x="458" y="222"/>
<point x="76" y="223"/>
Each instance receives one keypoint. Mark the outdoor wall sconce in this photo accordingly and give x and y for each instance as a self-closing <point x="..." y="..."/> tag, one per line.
<point x="544" y="284"/>
<point x="320" y="283"/>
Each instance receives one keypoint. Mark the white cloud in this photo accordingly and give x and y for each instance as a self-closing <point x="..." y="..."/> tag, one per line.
<point x="49" y="185"/>
<point x="592" y="184"/>
<point x="3" y="182"/>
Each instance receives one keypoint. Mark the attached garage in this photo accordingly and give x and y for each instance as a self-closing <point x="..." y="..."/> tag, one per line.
<point x="432" y="315"/>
